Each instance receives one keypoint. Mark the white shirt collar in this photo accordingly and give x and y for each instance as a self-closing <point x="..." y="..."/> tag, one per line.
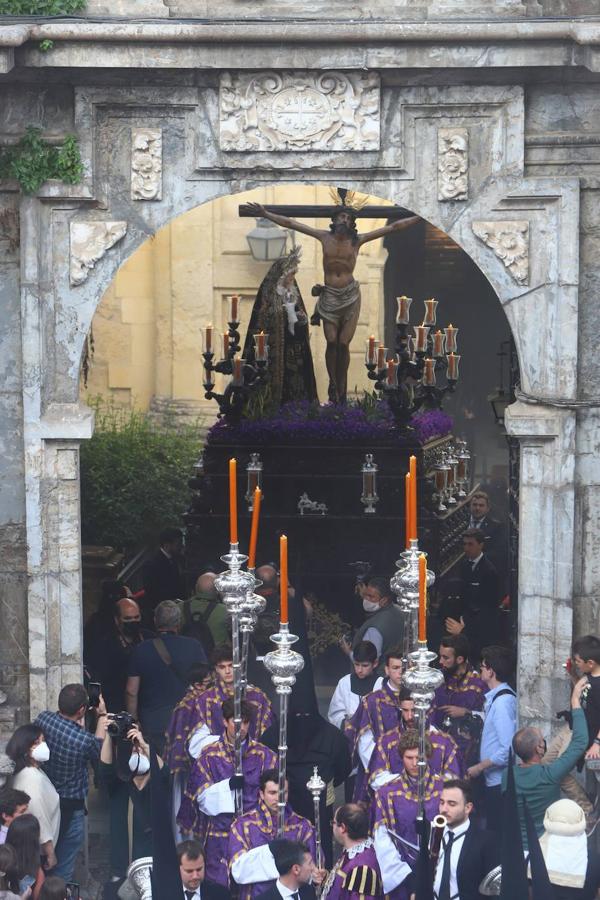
<point x="284" y="890"/>
<point x="195" y="895"/>
<point x="460" y="829"/>
<point x="473" y="562"/>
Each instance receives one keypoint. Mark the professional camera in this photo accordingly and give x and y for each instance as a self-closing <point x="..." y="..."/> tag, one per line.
<point x="120" y="724"/>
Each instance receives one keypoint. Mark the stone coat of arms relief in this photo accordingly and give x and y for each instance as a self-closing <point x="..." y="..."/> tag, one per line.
<point x="272" y="111"/>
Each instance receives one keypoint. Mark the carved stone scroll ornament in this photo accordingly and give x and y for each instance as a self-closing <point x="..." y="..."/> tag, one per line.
<point x="453" y="164"/>
<point x="270" y="111"/>
<point x="146" y="164"/>
<point x="510" y="242"/>
<point x="89" y="243"/>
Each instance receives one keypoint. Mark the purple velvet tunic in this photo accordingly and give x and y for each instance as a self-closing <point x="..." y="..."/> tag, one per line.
<point x="443" y="761"/>
<point x="216" y="763"/>
<point x="355" y="875"/>
<point x="207" y="710"/>
<point x="396" y="808"/>
<point x="182" y="721"/>
<point x="467" y="691"/>
<point x="378" y="712"/>
<point x="259" y="827"/>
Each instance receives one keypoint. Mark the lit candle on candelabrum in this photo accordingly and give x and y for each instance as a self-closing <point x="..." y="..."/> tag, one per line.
<point x="260" y="346"/>
<point x="438" y="344"/>
<point x="283" y="579"/>
<point x="392" y="372"/>
<point x="381" y="353"/>
<point x="430" y="308"/>
<point x="233" y="532"/>
<point x="413" y="497"/>
<point x="238" y="365"/>
<point x="402" y="317"/>
<point x="429" y="373"/>
<point x="254" y="528"/>
<point x="421" y="332"/>
<point x="208" y="341"/>
<point x="407" y="510"/>
<point x="422" y="598"/>
<point x="225" y="345"/>
<point x="234" y="310"/>
<point x="451" y="333"/>
<point x="453" y="361"/>
<point x="370" y="354"/>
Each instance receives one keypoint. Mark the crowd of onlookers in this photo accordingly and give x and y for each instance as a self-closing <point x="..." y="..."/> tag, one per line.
<point x="157" y="711"/>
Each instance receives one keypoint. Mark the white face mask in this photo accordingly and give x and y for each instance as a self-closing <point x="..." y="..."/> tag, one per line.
<point x="369" y="606"/>
<point x="139" y="764"/>
<point x="41" y="752"/>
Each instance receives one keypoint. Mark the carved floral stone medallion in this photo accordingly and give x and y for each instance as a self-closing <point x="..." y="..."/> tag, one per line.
<point x="510" y="242"/>
<point x="270" y="111"/>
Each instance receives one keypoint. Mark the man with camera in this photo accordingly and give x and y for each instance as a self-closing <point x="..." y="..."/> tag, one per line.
<point x="72" y="750"/>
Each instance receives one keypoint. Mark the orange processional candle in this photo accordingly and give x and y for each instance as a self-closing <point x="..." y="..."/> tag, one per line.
<point x="233" y="532"/>
<point x="283" y="579"/>
<point x="407" y="509"/>
<point x="254" y="528"/>
<point x="413" y="498"/>
<point x="422" y="597"/>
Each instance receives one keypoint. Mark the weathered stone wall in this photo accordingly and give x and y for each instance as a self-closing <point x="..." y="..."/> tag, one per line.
<point x="531" y="146"/>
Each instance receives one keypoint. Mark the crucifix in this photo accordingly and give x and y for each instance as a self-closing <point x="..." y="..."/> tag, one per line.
<point x="338" y="304"/>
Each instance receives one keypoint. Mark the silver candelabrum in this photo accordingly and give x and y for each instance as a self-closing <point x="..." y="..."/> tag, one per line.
<point x="422" y="681"/>
<point x="233" y="585"/>
<point x="283" y="664"/>
<point x="405" y="585"/>
<point x="316" y="786"/>
<point x="252" y="606"/>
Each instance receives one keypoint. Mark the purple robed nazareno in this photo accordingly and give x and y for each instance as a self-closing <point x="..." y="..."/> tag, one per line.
<point x="396" y="807"/>
<point x="208" y="711"/>
<point x="443" y="761"/>
<point x="378" y="712"/>
<point x="216" y="763"/>
<point x="181" y="725"/>
<point x="467" y="691"/>
<point x="355" y="875"/>
<point x="259" y="827"/>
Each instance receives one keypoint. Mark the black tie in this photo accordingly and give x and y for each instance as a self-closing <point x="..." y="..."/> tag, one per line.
<point x="189" y="894"/>
<point x="295" y="896"/>
<point x="444" y="892"/>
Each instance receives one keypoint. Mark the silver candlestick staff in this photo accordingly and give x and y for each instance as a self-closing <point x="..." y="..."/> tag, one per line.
<point x="252" y="606"/>
<point x="233" y="585"/>
<point x="283" y="664"/>
<point x="405" y="584"/>
<point x="422" y="681"/>
<point x="316" y="786"/>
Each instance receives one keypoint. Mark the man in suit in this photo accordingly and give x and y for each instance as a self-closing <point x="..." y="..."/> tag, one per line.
<point x="480" y="619"/>
<point x="295" y="865"/>
<point x="493" y="531"/>
<point x="466" y="853"/>
<point x="161" y="574"/>
<point x="191" y="868"/>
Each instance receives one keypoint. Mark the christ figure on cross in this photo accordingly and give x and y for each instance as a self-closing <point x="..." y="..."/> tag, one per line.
<point x="339" y="298"/>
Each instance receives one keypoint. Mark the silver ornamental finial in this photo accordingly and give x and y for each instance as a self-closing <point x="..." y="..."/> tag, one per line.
<point x="315" y="783"/>
<point x="139" y="876"/>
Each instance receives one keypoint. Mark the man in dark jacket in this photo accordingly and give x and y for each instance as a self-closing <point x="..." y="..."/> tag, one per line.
<point x="480" y="595"/>
<point x="162" y="575"/>
<point x="191" y="869"/>
<point x="466" y="853"/>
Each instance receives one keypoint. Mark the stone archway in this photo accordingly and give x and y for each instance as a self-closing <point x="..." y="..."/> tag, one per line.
<point x="454" y="155"/>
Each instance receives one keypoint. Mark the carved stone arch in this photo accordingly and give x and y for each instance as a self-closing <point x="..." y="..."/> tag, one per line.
<point x="521" y="232"/>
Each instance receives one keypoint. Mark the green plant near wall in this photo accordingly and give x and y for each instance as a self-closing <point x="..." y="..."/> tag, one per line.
<point x="33" y="161"/>
<point x="134" y="477"/>
<point x="40" y="7"/>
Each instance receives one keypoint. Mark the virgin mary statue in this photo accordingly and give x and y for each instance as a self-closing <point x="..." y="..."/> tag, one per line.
<point x="279" y="311"/>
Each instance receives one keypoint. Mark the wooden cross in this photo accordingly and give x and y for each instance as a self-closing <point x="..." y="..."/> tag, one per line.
<point x="313" y="211"/>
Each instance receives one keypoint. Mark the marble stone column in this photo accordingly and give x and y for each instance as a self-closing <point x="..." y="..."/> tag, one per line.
<point x="546" y="542"/>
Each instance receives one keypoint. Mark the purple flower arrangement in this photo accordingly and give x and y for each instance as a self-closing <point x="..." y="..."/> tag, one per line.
<point x="309" y="424"/>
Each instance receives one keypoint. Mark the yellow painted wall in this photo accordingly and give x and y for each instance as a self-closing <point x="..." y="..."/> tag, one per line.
<point x="148" y="327"/>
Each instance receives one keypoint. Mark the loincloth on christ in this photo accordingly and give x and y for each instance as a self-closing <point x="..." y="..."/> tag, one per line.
<point x="337" y="305"/>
